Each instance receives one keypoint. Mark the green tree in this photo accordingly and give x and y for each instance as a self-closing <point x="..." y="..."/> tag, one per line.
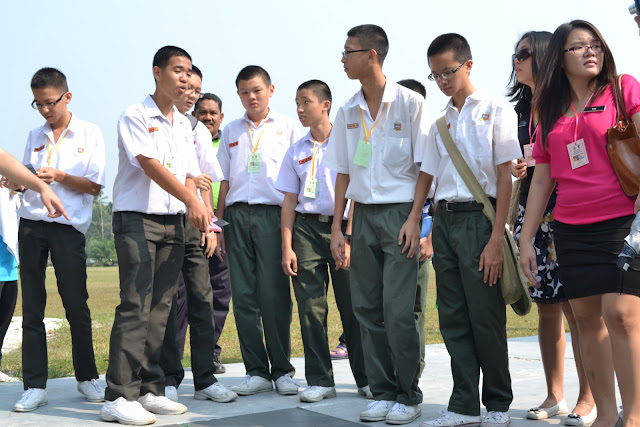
<point x="99" y="236"/>
<point x="103" y="251"/>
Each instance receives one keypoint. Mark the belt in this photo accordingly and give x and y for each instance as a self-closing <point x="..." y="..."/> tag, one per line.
<point x="317" y="217"/>
<point x="463" y="206"/>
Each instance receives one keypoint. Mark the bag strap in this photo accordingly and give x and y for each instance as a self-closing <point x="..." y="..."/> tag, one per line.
<point x="465" y="172"/>
<point x="621" y="109"/>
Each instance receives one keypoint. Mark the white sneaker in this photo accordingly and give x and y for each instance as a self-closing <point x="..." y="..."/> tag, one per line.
<point x="126" y="412"/>
<point x="453" y="419"/>
<point x="286" y="386"/>
<point x="216" y="392"/>
<point x="403" y="414"/>
<point x="365" y="391"/>
<point x="171" y="393"/>
<point x="91" y="390"/>
<point x="316" y="393"/>
<point x="31" y="399"/>
<point x="4" y="378"/>
<point x="252" y="385"/>
<point x="496" y="419"/>
<point x="161" y="405"/>
<point x="376" y="410"/>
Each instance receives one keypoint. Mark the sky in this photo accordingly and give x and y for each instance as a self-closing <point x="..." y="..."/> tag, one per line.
<point x="106" y="48"/>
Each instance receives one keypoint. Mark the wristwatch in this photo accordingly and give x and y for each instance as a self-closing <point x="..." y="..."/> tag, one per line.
<point x="347" y="236"/>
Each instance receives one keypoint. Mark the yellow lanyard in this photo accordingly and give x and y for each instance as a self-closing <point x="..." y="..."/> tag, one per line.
<point x="55" y="147"/>
<point x="255" y="147"/>
<point x="368" y="134"/>
<point x="313" y="158"/>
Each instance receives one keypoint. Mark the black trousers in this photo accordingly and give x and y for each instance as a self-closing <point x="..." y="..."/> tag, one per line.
<point x="66" y="246"/>
<point x="8" y="298"/>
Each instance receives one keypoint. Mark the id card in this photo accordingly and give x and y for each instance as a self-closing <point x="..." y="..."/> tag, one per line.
<point x="578" y="154"/>
<point x="170" y="163"/>
<point x="310" y="187"/>
<point x="363" y="154"/>
<point x="528" y="155"/>
<point x="254" y="163"/>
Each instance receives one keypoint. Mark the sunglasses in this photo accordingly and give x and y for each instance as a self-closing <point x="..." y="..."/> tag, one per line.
<point x="522" y="55"/>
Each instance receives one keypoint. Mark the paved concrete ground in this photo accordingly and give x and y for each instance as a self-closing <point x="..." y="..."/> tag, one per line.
<point x="67" y="408"/>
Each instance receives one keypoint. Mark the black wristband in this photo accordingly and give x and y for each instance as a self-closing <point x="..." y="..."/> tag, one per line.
<point x="347" y="236"/>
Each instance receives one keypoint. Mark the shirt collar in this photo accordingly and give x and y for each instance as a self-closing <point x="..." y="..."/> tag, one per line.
<point x="389" y="95"/>
<point x="71" y="127"/>
<point x="476" y="96"/>
<point x="152" y="110"/>
<point x="270" y="116"/>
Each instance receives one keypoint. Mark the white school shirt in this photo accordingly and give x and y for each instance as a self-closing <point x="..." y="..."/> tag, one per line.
<point x="296" y="168"/>
<point x="81" y="154"/>
<point x="233" y="155"/>
<point x="486" y="133"/>
<point x="397" y="141"/>
<point x="144" y="130"/>
<point x="206" y="153"/>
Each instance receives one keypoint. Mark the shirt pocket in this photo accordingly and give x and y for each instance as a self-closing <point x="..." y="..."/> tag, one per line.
<point x="397" y="151"/>
<point x="77" y="162"/>
<point x="479" y="137"/>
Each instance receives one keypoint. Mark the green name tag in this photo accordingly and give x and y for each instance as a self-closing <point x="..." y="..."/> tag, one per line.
<point x="363" y="154"/>
<point x="254" y="163"/>
<point x="310" y="187"/>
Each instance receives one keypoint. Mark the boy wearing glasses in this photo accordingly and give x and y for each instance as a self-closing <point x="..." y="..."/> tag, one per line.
<point x="250" y="154"/>
<point x="68" y="154"/>
<point x="193" y="303"/>
<point x="468" y="261"/>
<point x="375" y="149"/>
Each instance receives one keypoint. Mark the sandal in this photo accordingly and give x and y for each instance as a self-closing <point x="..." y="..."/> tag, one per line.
<point x="340" y="352"/>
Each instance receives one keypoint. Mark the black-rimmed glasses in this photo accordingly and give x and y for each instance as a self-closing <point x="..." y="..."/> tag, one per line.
<point x="446" y="74"/>
<point x="47" y="105"/>
<point x="346" y="53"/>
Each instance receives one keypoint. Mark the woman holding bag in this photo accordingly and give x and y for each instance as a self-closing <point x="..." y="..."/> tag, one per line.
<point x="550" y="298"/>
<point x="575" y="107"/>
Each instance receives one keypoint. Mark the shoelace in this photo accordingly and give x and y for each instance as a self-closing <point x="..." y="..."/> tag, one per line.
<point x="399" y="407"/>
<point x="247" y="378"/>
<point x="376" y="403"/>
<point x="496" y="416"/>
<point x="444" y="416"/>
<point x="95" y="385"/>
<point x="286" y="378"/>
<point x="27" y="394"/>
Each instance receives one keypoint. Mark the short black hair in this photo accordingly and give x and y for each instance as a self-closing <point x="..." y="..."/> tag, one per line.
<point x="371" y="37"/>
<point x="415" y="86"/>
<point x="251" y="71"/>
<point x="196" y="71"/>
<point x="49" y="77"/>
<point x="208" y="97"/>
<point x="450" y="42"/>
<point x="319" y="89"/>
<point x="163" y="56"/>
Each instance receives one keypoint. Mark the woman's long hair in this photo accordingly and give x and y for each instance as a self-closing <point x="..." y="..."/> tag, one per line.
<point x="552" y="95"/>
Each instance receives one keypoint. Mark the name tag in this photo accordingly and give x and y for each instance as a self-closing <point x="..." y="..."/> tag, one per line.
<point x="310" y="187"/>
<point x="170" y="163"/>
<point x="528" y="155"/>
<point x="363" y="154"/>
<point x="595" y="109"/>
<point x="578" y="154"/>
<point x="254" y="163"/>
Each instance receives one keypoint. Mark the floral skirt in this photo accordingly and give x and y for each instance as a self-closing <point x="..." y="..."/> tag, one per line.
<point x="551" y="289"/>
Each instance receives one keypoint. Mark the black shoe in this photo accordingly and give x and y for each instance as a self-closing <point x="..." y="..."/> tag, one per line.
<point x="220" y="369"/>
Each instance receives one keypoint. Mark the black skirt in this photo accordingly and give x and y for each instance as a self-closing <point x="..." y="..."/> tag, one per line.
<point x="588" y="255"/>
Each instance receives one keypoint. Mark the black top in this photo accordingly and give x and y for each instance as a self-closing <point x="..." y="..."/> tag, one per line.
<point x="524" y="139"/>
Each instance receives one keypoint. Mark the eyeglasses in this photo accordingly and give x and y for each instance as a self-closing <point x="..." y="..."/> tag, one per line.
<point x="196" y="91"/>
<point x="47" y="105"/>
<point x="581" y="50"/>
<point x="446" y="74"/>
<point x="521" y="55"/>
<point x="346" y="53"/>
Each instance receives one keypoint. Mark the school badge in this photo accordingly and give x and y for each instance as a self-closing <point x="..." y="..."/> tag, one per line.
<point x="485" y="117"/>
<point x="397" y="126"/>
<point x="279" y="132"/>
<point x="80" y="150"/>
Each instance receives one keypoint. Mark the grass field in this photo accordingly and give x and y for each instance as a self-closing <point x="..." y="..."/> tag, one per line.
<point x="104" y="288"/>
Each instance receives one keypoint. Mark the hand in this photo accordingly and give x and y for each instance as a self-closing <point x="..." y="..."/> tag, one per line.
<point x="347" y="254"/>
<point x="49" y="174"/>
<point x="199" y="216"/>
<point x="203" y="182"/>
<point x="289" y="262"/>
<point x="211" y="245"/>
<point x="519" y="169"/>
<point x="11" y="185"/>
<point x="426" y="248"/>
<point x="410" y="233"/>
<point x="491" y="261"/>
<point x="222" y="246"/>
<point x="528" y="262"/>
<point x="53" y="203"/>
<point x="338" y="248"/>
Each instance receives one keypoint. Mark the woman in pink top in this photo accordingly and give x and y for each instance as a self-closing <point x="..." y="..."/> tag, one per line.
<point x="574" y="106"/>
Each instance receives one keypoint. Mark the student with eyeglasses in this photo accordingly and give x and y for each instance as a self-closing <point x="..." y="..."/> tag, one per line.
<point x="574" y="105"/>
<point x="549" y="296"/>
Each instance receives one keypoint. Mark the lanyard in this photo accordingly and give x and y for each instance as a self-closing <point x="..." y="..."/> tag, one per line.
<point x="313" y="157"/>
<point x="55" y="147"/>
<point x="577" y="116"/>
<point x="255" y="147"/>
<point x="532" y="135"/>
<point x="368" y="134"/>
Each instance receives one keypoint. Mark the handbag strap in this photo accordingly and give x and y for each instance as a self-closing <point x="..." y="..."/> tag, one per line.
<point x="463" y="169"/>
<point x="621" y="109"/>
